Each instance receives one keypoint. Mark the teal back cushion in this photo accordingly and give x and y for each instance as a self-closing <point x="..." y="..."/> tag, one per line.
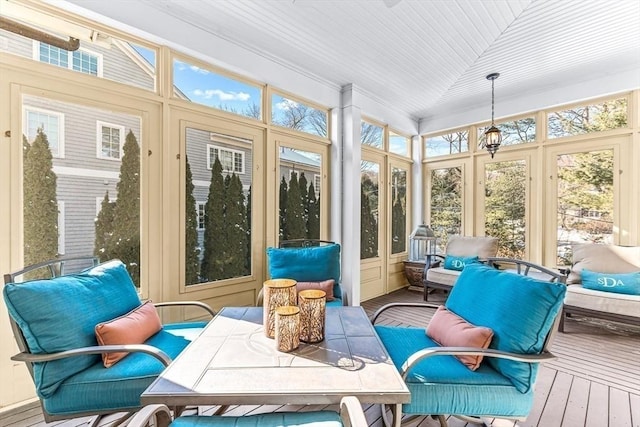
<point x="458" y="263"/>
<point x="312" y="264"/>
<point x="621" y="283"/>
<point x="520" y="311"/>
<point x="61" y="314"/>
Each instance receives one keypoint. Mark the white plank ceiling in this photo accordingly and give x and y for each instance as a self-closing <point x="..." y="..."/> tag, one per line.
<point x="422" y="58"/>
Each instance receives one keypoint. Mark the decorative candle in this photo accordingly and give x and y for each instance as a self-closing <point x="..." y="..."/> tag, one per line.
<point x="277" y="293"/>
<point x="287" y="328"/>
<point x="312" y="311"/>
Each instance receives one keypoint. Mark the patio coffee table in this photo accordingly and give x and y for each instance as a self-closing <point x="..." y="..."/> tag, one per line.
<point x="232" y="362"/>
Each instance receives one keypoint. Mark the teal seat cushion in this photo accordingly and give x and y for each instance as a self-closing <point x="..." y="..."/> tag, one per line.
<point x="117" y="387"/>
<point x="61" y="313"/>
<point x="309" y="264"/>
<point x="275" y="419"/>
<point x="520" y="311"/>
<point x="443" y="385"/>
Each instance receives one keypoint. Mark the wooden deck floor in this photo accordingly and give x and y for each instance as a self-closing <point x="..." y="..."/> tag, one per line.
<point x="595" y="382"/>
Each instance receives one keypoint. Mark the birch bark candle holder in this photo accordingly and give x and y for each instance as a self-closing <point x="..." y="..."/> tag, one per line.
<point x="312" y="311"/>
<point x="287" y="328"/>
<point x="276" y="293"/>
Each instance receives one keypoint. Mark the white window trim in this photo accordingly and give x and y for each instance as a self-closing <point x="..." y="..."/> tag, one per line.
<point x="220" y="148"/>
<point x="25" y="127"/>
<point x="36" y="57"/>
<point x="99" y="126"/>
<point x="61" y="228"/>
<point x="198" y="204"/>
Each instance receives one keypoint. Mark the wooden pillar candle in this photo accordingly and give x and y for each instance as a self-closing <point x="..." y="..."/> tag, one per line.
<point x="276" y="293"/>
<point x="287" y="328"/>
<point x="312" y="310"/>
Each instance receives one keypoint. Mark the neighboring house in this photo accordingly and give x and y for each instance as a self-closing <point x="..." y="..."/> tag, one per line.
<point x="87" y="143"/>
<point x="291" y="160"/>
<point x="235" y="154"/>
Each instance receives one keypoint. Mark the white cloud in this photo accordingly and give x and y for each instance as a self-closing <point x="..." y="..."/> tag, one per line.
<point x="222" y="95"/>
<point x="198" y="69"/>
<point x="286" y="104"/>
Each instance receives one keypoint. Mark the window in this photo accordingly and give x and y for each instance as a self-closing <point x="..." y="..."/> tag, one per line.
<point x="80" y="60"/>
<point x="317" y="179"/>
<point x="398" y="144"/>
<point x="449" y="143"/>
<point x="588" y="118"/>
<point x="110" y="140"/>
<point x="371" y="134"/>
<point x="51" y="123"/>
<point x="513" y="132"/>
<point x="206" y="87"/>
<point x="231" y="160"/>
<point x="200" y="212"/>
<point x="446" y="203"/>
<point x="298" y="115"/>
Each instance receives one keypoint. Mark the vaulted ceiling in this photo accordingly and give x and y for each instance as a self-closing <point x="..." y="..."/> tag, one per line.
<point x="425" y="59"/>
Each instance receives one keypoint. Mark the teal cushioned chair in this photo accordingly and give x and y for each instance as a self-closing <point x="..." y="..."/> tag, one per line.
<point x="307" y="260"/>
<point x="522" y="312"/>
<point x="351" y="414"/>
<point x="54" y="319"/>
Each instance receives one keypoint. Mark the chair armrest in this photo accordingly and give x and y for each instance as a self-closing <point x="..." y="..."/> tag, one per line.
<point x="200" y="304"/>
<point x="471" y="351"/>
<point x="433" y="260"/>
<point x="385" y="307"/>
<point x="158" y="413"/>
<point x="98" y="349"/>
<point x="351" y="412"/>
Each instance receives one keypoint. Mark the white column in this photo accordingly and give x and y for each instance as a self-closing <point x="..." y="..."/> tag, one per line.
<point x="351" y="156"/>
<point x="417" y="184"/>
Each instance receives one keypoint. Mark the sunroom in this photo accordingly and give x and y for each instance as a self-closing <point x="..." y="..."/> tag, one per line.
<point x="351" y="121"/>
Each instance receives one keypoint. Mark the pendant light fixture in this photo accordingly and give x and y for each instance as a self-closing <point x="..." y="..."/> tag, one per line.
<point x="492" y="136"/>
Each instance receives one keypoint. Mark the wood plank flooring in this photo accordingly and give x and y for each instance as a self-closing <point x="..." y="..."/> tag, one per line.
<point x="595" y="382"/>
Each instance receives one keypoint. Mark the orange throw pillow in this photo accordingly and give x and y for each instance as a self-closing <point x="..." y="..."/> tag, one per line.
<point x="325" y="285"/>
<point x="450" y="330"/>
<point x="134" y="327"/>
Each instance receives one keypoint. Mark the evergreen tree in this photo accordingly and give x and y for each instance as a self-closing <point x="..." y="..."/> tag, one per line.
<point x="313" y="221"/>
<point x="505" y="206"/>
<point x="283" y="209"/>
<point x="248" y="219"/>
<point x="40" y="202"/>
<point x="398" y="227"/>
<point x="304" y="201"/>
<point x="104" y="229"/>
<point x="235" y="230"/>
<point x="295" y="224"/>
<point x="125" y="242"/>
<point x="368" y="229"/>
<point x="192" y="251"/>
<point x="212" y="261"/>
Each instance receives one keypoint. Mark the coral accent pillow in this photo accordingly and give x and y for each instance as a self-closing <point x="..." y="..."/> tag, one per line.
<point x="325" y="285"/>
<point x="135" y="327"/>
<point x="450" y="330"/>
